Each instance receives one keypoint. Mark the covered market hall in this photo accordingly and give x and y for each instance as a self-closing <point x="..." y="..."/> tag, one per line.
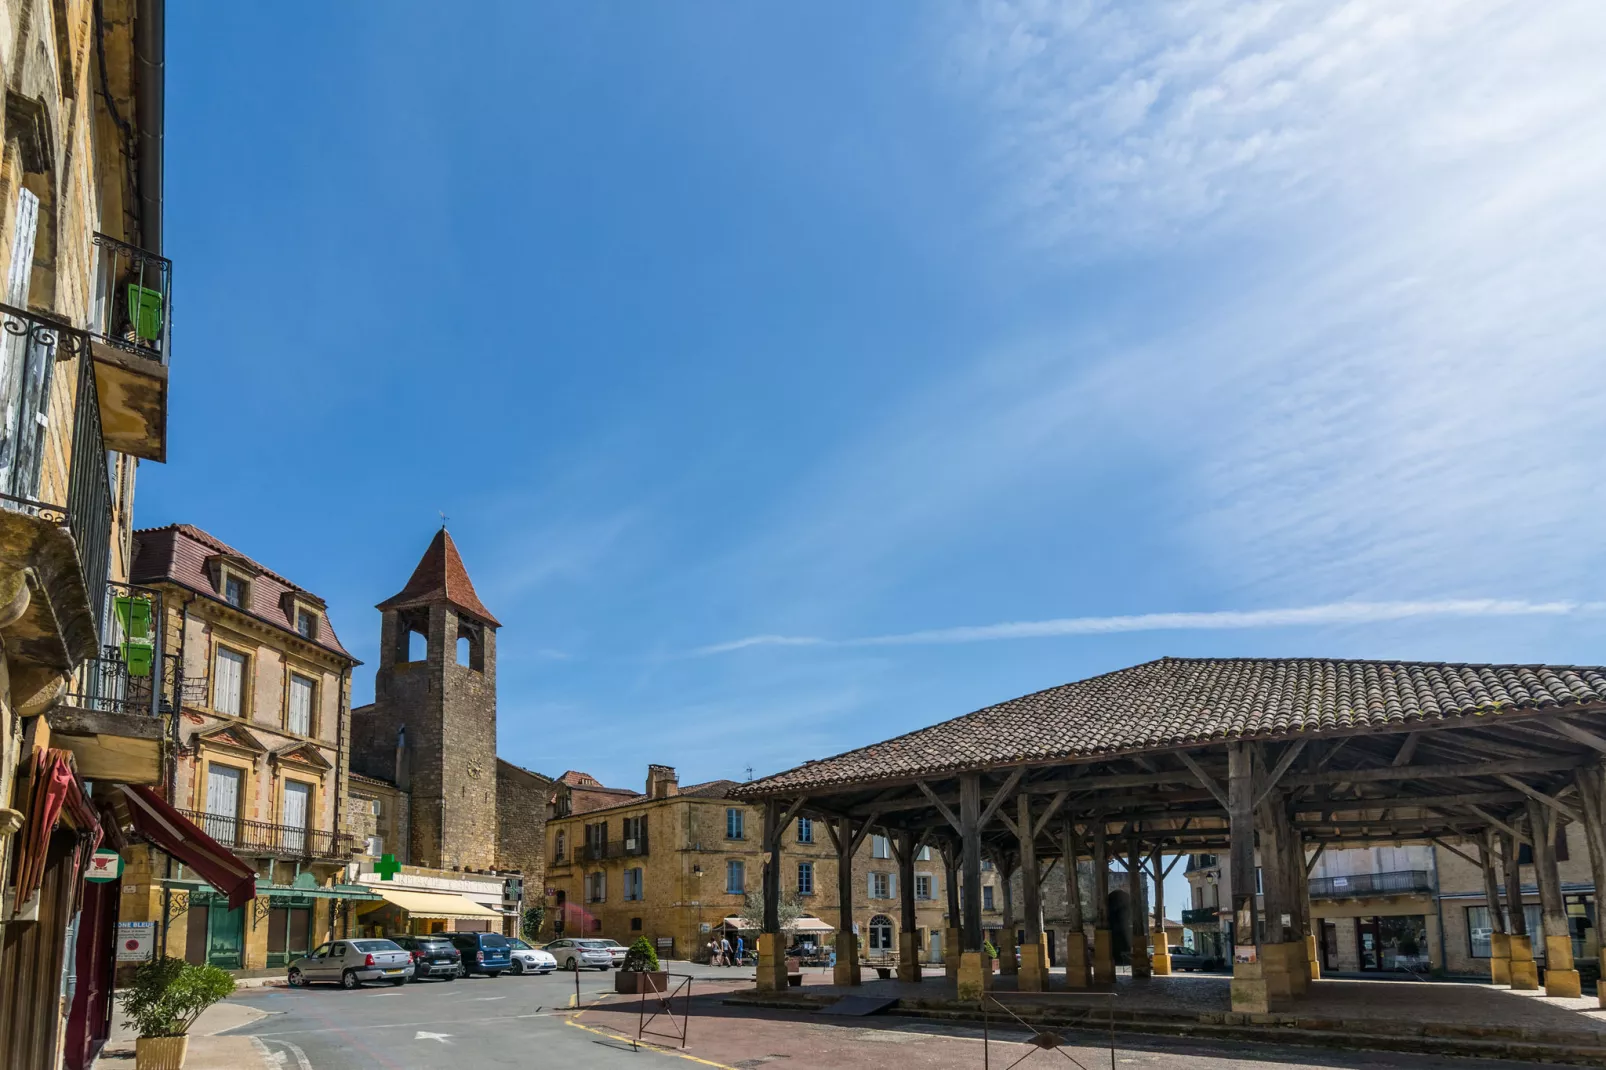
<point x="1268" y="761"/>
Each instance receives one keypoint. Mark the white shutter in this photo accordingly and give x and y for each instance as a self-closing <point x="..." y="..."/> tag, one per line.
<point x="869" y="890"/>
<point x="892" y="886"/>
<point x="14" y="347"/>
<point x="296" y="798"/>
<point x="300" y="705"/>
<point x="227" y="689"/>
<point x="222" y="802"/>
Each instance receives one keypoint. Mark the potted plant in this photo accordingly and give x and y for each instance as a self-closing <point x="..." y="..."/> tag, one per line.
<point x="992" y="955"/>
<point x="640" y="972"/>
<point x="165" y="998"/>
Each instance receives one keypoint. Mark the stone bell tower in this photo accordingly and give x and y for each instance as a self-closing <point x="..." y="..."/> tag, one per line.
<point x="437" y="715"/>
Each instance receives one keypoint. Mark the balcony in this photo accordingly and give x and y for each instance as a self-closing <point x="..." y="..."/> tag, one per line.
<point x="1200" y="916"/>
<point x="130" y="337"/>
<point x="111" y="717"/>
<point x="265" y="839"/>
<point x="1198" y="862"/>
<point x="1360" y="885"/>
<point x="597" y="852"/>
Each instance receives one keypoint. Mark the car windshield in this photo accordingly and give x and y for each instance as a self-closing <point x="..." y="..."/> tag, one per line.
<point x="519" y="945"/>
<point x="366" y="946"/>
<point x="493" y="940"/>
<point x="601" y="945"/>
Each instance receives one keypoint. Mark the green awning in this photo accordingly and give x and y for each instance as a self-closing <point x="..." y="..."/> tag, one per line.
<point x="336" y="891"/>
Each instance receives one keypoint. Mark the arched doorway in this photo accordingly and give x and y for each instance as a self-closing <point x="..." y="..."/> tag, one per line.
<point x="1120" y="907"/>
<point x="881" y="934"/>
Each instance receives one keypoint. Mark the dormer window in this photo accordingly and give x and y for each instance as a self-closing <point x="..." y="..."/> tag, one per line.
<point x="234" y="590"/>
<point x="307" y="623"/>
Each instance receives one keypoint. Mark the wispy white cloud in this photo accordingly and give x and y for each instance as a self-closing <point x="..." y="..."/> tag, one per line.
<point x="1330" y="615"/>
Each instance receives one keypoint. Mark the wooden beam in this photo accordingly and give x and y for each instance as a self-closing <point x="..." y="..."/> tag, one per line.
<point x="1439" y="772"/>
<point x="1509" y="830"/>
<point x="1457" y="852"/>
<point x="1310" y="864"/>
<point x="858" y="837"/>
<point x="1287" y="759"/>
<point x="1203" y="777"/>
<point x="1002" y="795"/>
<point x="1408" y="748"/>
<point x="1538" y="796"/>
<point x="1582" y="735"/>
<point x="1053" y="808"/>
<point x="947" y="814"/>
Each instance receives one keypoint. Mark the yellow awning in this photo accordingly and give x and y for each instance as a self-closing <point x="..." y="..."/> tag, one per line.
<point x="444" y="905"/>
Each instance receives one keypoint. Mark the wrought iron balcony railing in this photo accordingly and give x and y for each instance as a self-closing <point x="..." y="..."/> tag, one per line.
<point x="1198" y="862"/>
<point x="128" y="675"/>
<point x="265" y="838"/>
<point x="133" y="300"/>
<point x="1397" y="882"/>
<point x="1199" y="915"/>
<point x="596" y="852"/>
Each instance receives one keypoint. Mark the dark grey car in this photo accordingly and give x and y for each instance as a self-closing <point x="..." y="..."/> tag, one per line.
<point x="1183" y="958"/>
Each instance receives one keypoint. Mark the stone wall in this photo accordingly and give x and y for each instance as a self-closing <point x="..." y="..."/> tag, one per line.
<point x="522" y="801"/>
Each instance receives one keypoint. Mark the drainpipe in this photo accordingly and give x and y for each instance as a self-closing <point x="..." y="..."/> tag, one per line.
<point x="342" y="701"/>
<point x="1438" y="905"/>
<point x="150" y="56"/>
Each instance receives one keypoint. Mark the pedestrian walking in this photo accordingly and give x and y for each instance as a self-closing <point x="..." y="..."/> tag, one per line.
<point x="725" y="950"/>
<point x="741" y="950"/>
<point x="713" y="953"/>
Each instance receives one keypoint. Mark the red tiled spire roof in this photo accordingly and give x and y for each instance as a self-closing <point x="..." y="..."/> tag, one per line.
<point x="441" y="577"/>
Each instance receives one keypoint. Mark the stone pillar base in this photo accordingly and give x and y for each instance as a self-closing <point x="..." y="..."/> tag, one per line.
<point x="1274" y="972"/>
<point x="1142" y="964"/>
<point x="1034" y="967"/>
<point x="908" y="956"/>
<point x="1103" y="958"/>
<point x="1600" y="986"/>
<point x="1297" y="966"/>
<point x="950" y="954"/>
<point x="771" y="963"/>
<point x="846" y="971"/>
<point x="1499" y="959"/>
<point x="1008" y="962"/>
<point x="975" y="975"/>
<point x="1560" y="977"/>
<point x="1524" y="972"/>
<point x="1315" y="958"/>
<point x="1250" y="993"/>
<point x="1076" y="964"/>
<point x="1161" y="959"/>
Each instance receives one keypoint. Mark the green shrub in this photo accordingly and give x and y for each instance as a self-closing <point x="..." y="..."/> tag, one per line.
<point x="533" y="919"/>
<point x="641" y="958"/>
<point x="989" y="950"/>
<point x="169" y="994"/>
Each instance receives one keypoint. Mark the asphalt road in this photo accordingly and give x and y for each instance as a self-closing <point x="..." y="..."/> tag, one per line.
<point x="529" y="1022"/>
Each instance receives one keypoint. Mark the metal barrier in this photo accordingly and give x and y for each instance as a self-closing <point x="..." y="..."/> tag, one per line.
<point x="666" y="1009"/>
<point x="1045" y="1039"/>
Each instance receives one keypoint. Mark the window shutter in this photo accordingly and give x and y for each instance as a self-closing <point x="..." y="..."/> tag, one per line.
<point x="892" y="886"/>
<point x="870" y="886"/>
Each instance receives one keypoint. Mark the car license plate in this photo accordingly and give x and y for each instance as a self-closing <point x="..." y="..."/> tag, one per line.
<point x="389" y="971"/>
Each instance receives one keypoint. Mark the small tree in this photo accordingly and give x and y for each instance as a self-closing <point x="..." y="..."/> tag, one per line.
<point x="641" y="958"/>
<point x="532" y="921"/>
<point x="791" y="910"/>
<point x="169" y="994"/>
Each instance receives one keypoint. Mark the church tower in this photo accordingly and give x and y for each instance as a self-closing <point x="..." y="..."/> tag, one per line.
<point x="432" y="727"/>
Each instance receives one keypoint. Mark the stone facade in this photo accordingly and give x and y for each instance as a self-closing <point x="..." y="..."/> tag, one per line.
<point x="377" y="818"/>
<point x="523" y="799"/>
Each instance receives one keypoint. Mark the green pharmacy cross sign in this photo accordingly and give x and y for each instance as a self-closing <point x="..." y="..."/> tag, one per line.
<point x="387" y="868"/>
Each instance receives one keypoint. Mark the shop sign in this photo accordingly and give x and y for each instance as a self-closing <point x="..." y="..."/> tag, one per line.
<point x="104" y="865"/>
<point x="135" y="939"/>
<point x="1243" y="953"/>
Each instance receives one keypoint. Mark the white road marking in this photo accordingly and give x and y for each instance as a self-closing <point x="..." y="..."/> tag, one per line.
<point x="279" y="1056"/>
<point x="485" y="999"/>
<point x="421" y="1035"/>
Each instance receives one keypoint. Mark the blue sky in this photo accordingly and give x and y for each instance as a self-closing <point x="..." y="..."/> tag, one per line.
<point x="731" y="336"/>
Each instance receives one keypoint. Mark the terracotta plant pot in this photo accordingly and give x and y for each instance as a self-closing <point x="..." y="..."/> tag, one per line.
<point x="633" y="982"/>
<point x="160" y="1053"/>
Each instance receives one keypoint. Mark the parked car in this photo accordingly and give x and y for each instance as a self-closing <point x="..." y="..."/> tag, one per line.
<point x="574" y="954"/>
<point x="1184" y="958"/>
<point x="615" y="948"/>
<point x="487" y="953"/>
<point x="351" y="962"/>
<point x="527" y="959"/>
<point x="433" y="955"/>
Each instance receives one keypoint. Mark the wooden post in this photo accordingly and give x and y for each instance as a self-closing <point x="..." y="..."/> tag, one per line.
<point x="908" y="934"/>
<point x="952" y="941"/>
<point x="1249" y="989"/>
<point x="771" y="952"/>
<point x="846" y="971"/>
<point x="1033" y="955"/>
<point x="1561" y="978"/>
<point x="1161" y="959"/>
<point x="1589" y="785"/>
<point x="1141" y="967"/>
<point x="1524" y="972"/>
<point x="1076" y="960"/>
<point x="1008" y="960"/>
<point x="1499" y="941"/>
<point x="975" y="971"/>
<point x="1103" y="945"/>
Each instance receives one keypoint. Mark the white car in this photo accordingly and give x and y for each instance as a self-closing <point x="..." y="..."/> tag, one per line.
<point x="527" y="959"/>
<point x="581" y="954"/>
<point x="615" y="948"/>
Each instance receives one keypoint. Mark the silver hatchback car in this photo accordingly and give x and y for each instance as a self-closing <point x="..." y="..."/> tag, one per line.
<point x="580" y="954"/>
<point x="351" y="962"/>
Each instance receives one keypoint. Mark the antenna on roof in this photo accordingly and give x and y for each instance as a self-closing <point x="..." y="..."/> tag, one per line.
<point x="749" y="772"/>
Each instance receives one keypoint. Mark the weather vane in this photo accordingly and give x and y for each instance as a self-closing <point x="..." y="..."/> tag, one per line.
<point x="444" y="518"/>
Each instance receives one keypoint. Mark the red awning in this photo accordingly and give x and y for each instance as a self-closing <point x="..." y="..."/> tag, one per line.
<point x="55" y="788"/>
<point x="179" y="837"/>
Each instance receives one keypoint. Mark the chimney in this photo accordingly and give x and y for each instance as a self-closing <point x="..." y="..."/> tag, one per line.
<point x="662" y="782"/>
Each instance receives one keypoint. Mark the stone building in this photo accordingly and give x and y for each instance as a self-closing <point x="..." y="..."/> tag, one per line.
<point x="260" y="758"/>
<point x="674" y="863"/>
<point x="426" y="749"/>
<point x="84" y="358"/>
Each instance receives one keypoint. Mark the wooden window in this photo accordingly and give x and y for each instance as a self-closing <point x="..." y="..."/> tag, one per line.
<point x="307" y="623"/>
<point x="880" y="886"/>
<point x="922" y="886"/>
<point x="234" y="590"/>
<point x="228" y="682"/>
<point x="223" y="796"/>
<point x="302" y="691"/>
<point x="735" y="823"/>
<point x="805" y="830"/>
<point x="633" y="885"/>
<point x="597" y="888"/>
<point x="635" y="834"/>
<point x="735" y="877"/>
<point x="879" y="847"/>
<point x="805" y="878"/>
<point x="987" y="897"/>
<point x="294" y="814"/>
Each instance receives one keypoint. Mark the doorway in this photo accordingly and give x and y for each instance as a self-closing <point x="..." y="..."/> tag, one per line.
<point x="1120" y="914"/>
<point x="935" y="955"/>
<point x="214" y="934"/>
<point x="289" y="928"/>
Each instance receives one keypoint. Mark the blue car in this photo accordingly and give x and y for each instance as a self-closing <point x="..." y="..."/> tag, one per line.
<point x="487" y="953"/>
